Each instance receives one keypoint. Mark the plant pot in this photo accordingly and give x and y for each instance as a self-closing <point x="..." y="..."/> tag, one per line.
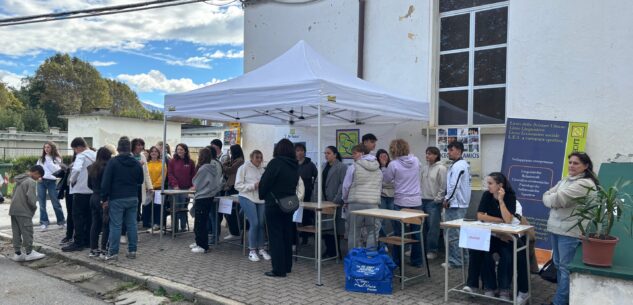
<point x="598" y="252"/>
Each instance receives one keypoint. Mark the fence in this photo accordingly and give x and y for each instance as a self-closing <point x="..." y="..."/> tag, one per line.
<point x="10" y="153"/>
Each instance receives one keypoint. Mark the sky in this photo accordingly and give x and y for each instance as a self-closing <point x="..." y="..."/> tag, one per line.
<point x="155" y="52"/>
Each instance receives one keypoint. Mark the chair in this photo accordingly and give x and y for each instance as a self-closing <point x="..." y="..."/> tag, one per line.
<point x="312" y="229"/>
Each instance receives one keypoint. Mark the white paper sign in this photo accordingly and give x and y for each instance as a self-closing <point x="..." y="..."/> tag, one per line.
<point x="157" y="198"/>
<point x="298" y="215"/>
<point x="344" y="213"/>
<point x="473" y="237"/>
<point x="226" y="205"/>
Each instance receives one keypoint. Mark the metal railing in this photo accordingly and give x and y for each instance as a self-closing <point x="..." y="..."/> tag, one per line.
<point x="9" y="153"/>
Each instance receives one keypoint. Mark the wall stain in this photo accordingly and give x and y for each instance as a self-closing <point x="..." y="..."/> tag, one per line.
<point x="409" y="13"/>
<point x="411" y="36"/>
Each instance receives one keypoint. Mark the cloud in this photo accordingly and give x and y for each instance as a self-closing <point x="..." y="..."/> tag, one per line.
<point x="155" y="80"/>
<point x="196" y="23"/>
<point x="7" y="63"/>
<point x="97" y="63"/>
<point x="229" y="54"/>
<point x="11" y="79"/>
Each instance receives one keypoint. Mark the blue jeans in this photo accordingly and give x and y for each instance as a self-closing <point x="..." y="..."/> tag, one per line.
<point x="416" y="249"/>
<point x="123" y="213"/>
<point x="50" y="186"/>
<point x="385" y="203"/>
<point x="432" y="224"/>
<point x="564" y="249"/>
<point x="255" y="214"/>
<point x="454" y="251"/>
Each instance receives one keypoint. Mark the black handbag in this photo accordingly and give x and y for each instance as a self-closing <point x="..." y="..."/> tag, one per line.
<point x="288" y="204"/>
<point x="548" y="272"/>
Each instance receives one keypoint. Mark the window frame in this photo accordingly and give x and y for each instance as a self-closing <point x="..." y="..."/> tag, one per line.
<point x="471" y="87"/>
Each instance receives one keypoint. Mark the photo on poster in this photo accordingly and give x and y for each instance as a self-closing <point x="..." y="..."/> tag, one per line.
<point x="452" y="132"/>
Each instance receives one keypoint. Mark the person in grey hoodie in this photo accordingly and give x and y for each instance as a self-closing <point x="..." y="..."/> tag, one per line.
<point x="207" y="182"/>
<point x="433" y="187"/>
<point x="404" y="173"/>
<point x="361" y="190"/>
<point x="21" y="211"/>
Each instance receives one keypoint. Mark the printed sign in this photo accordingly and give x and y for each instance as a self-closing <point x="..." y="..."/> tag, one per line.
<point x="158" y="198"/>
<point x="226" y="205"/>
<point x="474" y="237"/>
<point x="472" y="150"/>
<point x="535" y="159"/>
<point x="298" y="215"/>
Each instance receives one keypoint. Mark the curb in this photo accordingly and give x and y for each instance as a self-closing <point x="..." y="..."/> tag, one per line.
<point x="151" y="282"/>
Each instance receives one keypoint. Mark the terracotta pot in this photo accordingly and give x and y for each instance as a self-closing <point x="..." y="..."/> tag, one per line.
<point x="598" y="252"/>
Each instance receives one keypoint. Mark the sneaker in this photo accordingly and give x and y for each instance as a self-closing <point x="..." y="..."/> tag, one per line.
<point x="407" y="253"/>
<point x="431" y="255"/>
<point x="231" y="237"/>
<point x="504" y="295"/>
<point x="111" y="257"/>
<point x="65" y="241"/>
<point x="123" y="240"/>
<point x="468" y="289"/>
<point x="43" y="227"/>
<point x="253" y="257"/>
<point x="156" y="228"/>
<point x="193" y="246"/>
<point x="264" y="254"/>
<point x="72" y="247"/>
<point x="34" y="255"/>
<point x="18" y="257"/>
<point x="61" y="226"/>
<point x="522" y="297"/>
<point x="489" y="293"/>
<point x="450" y="266"/>
<point x="94" y="253"/>
<point x="197" y="249"/>
<point x="131" y="255"/>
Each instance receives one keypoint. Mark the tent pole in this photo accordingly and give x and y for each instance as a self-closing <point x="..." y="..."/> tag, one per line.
<point x="162" y="176"/>
<point x="320" y="196"/>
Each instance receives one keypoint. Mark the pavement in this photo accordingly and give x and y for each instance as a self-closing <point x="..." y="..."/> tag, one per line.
<point x="226" y="276"/>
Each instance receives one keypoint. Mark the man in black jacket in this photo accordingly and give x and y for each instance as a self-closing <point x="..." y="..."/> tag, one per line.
<point x="119" y="190"/>
<point x="308" y="173"/>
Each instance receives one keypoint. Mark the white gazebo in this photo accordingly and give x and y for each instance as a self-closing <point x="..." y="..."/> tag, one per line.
<point x="299" y="88"/>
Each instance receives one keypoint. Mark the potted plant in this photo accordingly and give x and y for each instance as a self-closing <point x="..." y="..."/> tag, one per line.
<point x="596" y="214"/>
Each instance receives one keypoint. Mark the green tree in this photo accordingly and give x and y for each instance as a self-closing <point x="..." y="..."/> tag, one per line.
<point x="10" y="118"/>
<point x="8" y="100"/>
<point x="35" y="120"/>
<point x="124" y="99"/>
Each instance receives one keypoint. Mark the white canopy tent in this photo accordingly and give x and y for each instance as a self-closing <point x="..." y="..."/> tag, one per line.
<point x="299" y="88"/>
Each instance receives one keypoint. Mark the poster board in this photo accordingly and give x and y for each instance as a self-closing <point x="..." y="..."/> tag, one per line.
<point x="471" y="139"/>
<point x="346" y="139"/>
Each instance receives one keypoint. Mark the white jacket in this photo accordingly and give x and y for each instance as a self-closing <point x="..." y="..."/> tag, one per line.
<point x="247" y="175"/>
<point x="79" y="172"/>
<point x="147" y="181"/>
<point x="50" y="167"/>
<point x="461" y="199"/>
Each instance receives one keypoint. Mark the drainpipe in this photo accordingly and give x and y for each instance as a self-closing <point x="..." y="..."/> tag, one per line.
<point x="361" y="38"/>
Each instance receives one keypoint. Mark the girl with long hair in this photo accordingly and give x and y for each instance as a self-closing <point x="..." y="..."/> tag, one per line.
<point x="181" y="171"/>
<point x="207" y="183"/>
<point x="230" y="172"/>
<point x="100" y="223"/>
<point x="51" y="161"/>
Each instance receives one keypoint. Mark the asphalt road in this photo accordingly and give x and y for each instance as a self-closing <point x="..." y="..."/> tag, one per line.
<point x="20" y="285"/>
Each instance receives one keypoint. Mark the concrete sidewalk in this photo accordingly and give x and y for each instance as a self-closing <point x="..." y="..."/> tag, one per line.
<point x="225" y="276"/>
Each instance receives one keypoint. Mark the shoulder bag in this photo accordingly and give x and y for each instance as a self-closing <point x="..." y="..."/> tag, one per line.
<point x="288" y="204"/>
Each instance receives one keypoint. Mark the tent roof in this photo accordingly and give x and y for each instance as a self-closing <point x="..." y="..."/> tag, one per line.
<point x="288" y="90"/>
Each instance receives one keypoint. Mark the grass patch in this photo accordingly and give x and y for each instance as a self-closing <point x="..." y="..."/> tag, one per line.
<point x="160" y="292"/>
<point x="125" y="286"/>
<point x="176" y="297"/>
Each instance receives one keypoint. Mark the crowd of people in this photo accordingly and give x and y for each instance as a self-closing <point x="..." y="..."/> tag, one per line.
<point x="108" y="192"/>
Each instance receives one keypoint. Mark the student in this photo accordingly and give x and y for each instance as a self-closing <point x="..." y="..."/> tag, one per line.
<point x="387" y="193"/>
<point x="181" y="170"/>
<point x="63" y="191"/>
<point x="333" y="175"/>
<point x="98" y="226"/>
<point x="433" y="187"/>
<point x="247" y="183"/>
<point x="207" y="183"/>
<point x="51" y="161"/>
<point x="81" y="193"/>
<point x="145" y="189"/>
<point x="217" y="145"/>
<point x="230" y="168"/>
<point x="22" y="209"/>
<point x="361" y="190"/>
<point x="369" y="141"/>
<point x="456" y="200"/>
<point x="157" y="176"/>
<point x="309" y="174"/>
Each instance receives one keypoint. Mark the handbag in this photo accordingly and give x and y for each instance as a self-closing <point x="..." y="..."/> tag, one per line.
<point x="548" y="272"/>
<point x="288" y="204"/>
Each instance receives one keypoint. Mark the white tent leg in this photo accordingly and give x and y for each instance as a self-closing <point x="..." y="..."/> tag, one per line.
<point x="162" y="174"/>
<point x="320" y="197"/>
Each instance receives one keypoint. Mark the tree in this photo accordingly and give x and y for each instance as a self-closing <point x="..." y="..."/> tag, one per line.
<point x="8" y="100"/>
<point x="123" y="98"/>
<point x="10" y="118"/>
<point x="35" y="120"/>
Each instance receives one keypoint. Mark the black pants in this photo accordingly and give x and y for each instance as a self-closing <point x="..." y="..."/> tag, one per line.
<point x="481" y="265"/>
<point x="82" y="219"/>
<point x="280" y="239"/>
<point x="233" y="220"/>
<point x="504" y="274"/>
<point x="200" y="223"/>
<point x="70" y="224"/>
<point x="98" y="226"/>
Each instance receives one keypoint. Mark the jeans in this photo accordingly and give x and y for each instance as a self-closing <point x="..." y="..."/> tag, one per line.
<point x="123" y="213"/>
<point x="149" y="217"/>
<point x="50" y="186"/>
<point x="385" y="203"/>
<point x="416" y="249"/>
<point x="432" y="224"/>
<point x="255" y="214"/>
<point x="200" y="227"/>
<point x="454" y="252"/>
<point x="564" y="249"/>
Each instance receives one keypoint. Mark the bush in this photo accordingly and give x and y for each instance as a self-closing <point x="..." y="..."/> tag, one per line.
<point x="35" y="120"/>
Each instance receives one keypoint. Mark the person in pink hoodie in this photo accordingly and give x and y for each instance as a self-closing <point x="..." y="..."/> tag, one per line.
<point x="404" y="172"/>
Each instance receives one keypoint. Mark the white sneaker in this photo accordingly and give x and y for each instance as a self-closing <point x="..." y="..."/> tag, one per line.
<point x="34" y="255"/>
<point x="18" y="258"/>
<point x="193" y="246"/>
<point x="432" y="255"/>
<point x="123" y="240"/>
<point x="197" y="249"/>
<point x="264" y="254"/>
<point x="43" y="227"/>
<point x="253" y="257"/>
<point x="489" y="293"/>
<point x="231" y="237"/>
<point x="468" y="289"/>
<point x="522" y="297"/>
<point x="407" y="253"/>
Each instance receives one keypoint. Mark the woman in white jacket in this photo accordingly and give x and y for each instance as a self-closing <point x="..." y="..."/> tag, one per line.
<point x="247" y="183"/>
<point x="51" y="161"/>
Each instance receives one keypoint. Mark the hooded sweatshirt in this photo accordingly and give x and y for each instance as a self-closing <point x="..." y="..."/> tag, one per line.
<point x="247" y="175"/>
<point x="404" y="172"/>
<point x="24" y="198"/>
<point x="433" y="183"/>
<point x="208" y="180"/>
<point x="122" y="177"/>
<point x="363" y="181"/>
<point x="79" y="172"/>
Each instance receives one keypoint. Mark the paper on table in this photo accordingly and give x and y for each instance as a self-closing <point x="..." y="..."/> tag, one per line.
<point x="226" y="205"/>
<point x="474" y="237"/>
<point x="157" y="198"/>
<point x="298" y="215"/>
<point x="344" y="213"/>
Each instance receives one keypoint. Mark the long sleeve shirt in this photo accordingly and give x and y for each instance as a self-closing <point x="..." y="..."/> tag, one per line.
<point x="50" y="166"/>
<point x="460" y="188"/>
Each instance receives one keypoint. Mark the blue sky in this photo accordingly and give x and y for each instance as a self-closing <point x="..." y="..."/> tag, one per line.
<point x="155" y="52"/>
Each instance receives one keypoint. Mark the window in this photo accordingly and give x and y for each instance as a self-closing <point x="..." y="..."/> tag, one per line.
<point x="472" y="63"/>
